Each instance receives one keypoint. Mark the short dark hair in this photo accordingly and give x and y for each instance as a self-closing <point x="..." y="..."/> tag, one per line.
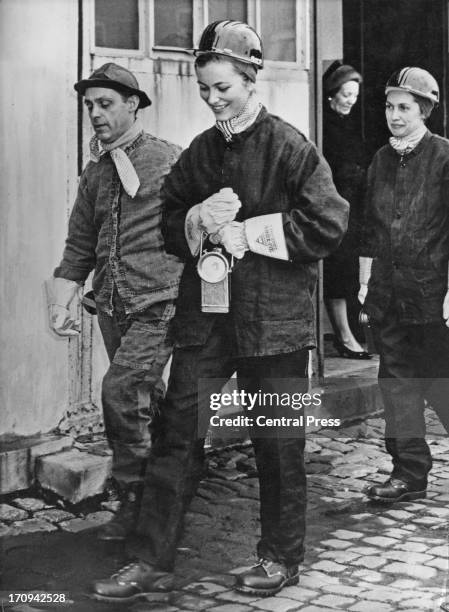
<point x="425" y="105"/>
<point x="125" y="94"/>
<point x="205" y="58"/>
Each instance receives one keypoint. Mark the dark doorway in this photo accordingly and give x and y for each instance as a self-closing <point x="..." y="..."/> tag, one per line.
<point x="380" y="36"/>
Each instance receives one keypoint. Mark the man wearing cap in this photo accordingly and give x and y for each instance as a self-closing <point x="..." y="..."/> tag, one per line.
<point x="114" y="230"/>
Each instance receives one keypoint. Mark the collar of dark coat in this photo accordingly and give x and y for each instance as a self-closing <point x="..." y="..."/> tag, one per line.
<point x="417" y="150"/>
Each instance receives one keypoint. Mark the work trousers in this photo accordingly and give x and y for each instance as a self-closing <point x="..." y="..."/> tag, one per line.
<point x="175" y="465"/>
<point x="414" y="366"/>
<point x="138" y="347"/>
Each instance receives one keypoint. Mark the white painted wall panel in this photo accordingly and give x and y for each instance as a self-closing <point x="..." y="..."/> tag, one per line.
<point x="38" y="54"/>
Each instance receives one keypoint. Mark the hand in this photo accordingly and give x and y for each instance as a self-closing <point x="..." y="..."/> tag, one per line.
<point x="446" y="309"/>
<point x="60" y="293"/>
<point x="233" y="238"/>
<point x="218" y="210"/>
<point x="61" y="322"/>
<point x="362" y="293"/>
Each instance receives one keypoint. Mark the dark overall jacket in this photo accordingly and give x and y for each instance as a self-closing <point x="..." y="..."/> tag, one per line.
<point x="407" y="231"/>
<point x="119" y="236"/>
<point x="273" y="168"/>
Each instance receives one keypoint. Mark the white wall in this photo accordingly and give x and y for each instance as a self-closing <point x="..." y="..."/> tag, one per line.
<point x="38" y="55"/>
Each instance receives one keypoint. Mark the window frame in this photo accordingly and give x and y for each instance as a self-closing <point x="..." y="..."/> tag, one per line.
<point x="200" y="18"/>
<point x="173" y="53"/>
<point x="250" y="4"/>
<point x="302" y="32"/>
<point x="140" y="52"/>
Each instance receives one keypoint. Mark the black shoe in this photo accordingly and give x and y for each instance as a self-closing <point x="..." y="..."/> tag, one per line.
<point x="395" y="490"/>
<point x="267" y="578"/>
<point x="344" y="351"/>
<point x="124" y="522"/>
<point x="135" y="581"/>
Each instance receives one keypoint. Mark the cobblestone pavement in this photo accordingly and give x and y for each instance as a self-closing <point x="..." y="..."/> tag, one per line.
<point x="360" y="556"/>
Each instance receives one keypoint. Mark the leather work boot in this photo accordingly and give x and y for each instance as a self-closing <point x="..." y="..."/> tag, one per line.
<point x="267" y="578"/>
<point x="125" y="519"/>
<point x="135" y="581"/>
<point x="395" y="490"/>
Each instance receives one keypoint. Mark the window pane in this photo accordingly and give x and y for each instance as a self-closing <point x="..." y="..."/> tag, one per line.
<point x="117" y="24"/>
<point x="173" y="23"/>
<point x="279" y="29"/>
<point x="227" y="9"/>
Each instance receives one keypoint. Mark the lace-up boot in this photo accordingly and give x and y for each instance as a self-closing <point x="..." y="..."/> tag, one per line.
<point x="267" y="578"/>
<point x="395" y="490"/>
<point x="135" y="581"/>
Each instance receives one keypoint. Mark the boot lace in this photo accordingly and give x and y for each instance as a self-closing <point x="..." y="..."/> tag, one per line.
<point x="126" y="569"/>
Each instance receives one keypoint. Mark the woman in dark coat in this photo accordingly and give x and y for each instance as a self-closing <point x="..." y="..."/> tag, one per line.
<point x="343" y="148"/>
<point x="255" y="185"/>
<point x="406" y="294"/>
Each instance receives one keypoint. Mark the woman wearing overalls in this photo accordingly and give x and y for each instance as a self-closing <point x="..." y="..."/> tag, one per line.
<point x="254" y="187"/>
<point x="407" y="296"/>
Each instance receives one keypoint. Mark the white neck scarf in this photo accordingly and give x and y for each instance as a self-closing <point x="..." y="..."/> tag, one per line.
<point x="405" y="145"/>
<point x="125" y="170"/>
<point x="242" y="120"/>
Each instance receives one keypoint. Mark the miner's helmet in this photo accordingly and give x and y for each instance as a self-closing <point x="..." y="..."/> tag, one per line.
<point x="233" y="39"/>
<point x="416" y="81"/>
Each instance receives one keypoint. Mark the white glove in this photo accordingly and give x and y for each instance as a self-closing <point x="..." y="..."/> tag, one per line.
<point x="265" y="236"/>
<point x="365" y="264"/>
<point x="60" y="293"/>
<point x="362" y="293"/>
<point x="446" y="309"/>
<point x="233" y="238"/>
<point x="219" y="208"/>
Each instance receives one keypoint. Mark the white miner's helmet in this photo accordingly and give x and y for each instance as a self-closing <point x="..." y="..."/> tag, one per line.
<point x="233" y="39"/>
<point x="416" y="81"/>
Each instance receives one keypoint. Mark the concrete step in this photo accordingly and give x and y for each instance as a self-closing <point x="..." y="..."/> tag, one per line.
<point x="18" y="457"/>
<point x="74" y="475"/>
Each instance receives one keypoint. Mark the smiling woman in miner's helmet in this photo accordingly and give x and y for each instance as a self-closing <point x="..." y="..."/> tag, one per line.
<point x="253" y="187"/>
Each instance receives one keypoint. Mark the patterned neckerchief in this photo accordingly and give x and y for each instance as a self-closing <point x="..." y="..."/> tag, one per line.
<point x="241" y="121"/>
<point x="405" y="145"/>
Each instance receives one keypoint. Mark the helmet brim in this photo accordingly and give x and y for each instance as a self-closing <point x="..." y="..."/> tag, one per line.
<point x="414" y="92"/>
<point x="254" y="61"/>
